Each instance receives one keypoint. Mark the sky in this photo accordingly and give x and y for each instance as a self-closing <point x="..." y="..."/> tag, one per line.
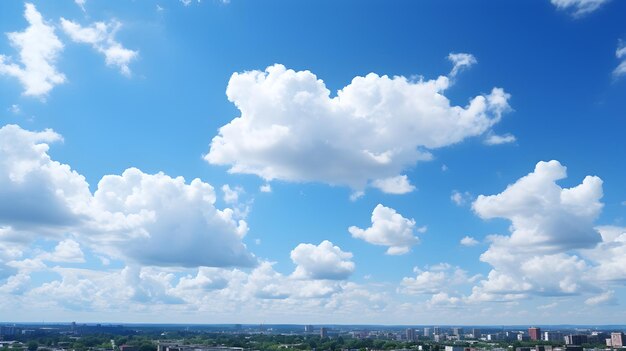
<point x="371" y="162"/>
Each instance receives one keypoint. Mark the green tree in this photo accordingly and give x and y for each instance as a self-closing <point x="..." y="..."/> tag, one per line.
<point x="32" y="346"/>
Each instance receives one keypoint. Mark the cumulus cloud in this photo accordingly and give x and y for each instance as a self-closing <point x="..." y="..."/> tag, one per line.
<point x="37" y="195"/>
<point x="461" y="62"/>
<point x="39" y="49"/>
<point x="152" y="219"/>
<point x="469" y="241"/>
<point x="66" y="251"/>
<point x="390" y="229"/>
<point x="394" y="185"/>
<point x="265" y="188"/>
<point x="435" y="279"/>
<point x="101" y="36"/>
<point x="579" y="7"/>
<point x="290" y="128"/>
<point x="324" y="261"/>
<point x="494" y="139"/>
<point x="548" y="222"/>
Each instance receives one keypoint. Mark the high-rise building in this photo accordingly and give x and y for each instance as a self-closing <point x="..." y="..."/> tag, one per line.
<point x="411" y="335"/>
<point x="553" y="336"/>
<point x="476" y="333"/>
<point x="617" y="339"/>
<point x="534" y="333"/>
<point x="427" y="332"/>
<point x="323" y="332"/>
<point x="436" y="331"/>
<point x="308" y="328"/>
<point x="457" y="331"/>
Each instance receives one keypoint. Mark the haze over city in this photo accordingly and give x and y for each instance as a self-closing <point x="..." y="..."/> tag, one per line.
<point x="449" y="163"/>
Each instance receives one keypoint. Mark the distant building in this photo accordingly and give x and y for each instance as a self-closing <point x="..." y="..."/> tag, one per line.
<point x="411" y="335"/>
<point x="476" y="333"/>
<point x="617" y="339"/>
<point x="455" y="348"/>
<point x="575" y="339"/>
<point x="436" y="331"/>
<point x="323" y="332"/>
<point x="522" y="337"/>
<point x="534" y="333"/>
<point x="457" y="331"/>
<point x="308" y="328"/>
<point x="553" y="336"/>
<point x="427" y="332"/>
<point x="127" y="348"/>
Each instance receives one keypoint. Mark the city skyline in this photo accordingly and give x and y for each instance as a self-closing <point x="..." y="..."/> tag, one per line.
<point x="332" y="162"/>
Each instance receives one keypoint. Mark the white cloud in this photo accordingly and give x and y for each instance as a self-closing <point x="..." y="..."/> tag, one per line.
<point x="579" y="7"/>
<point x="620" y="53"/>
<point x="459" y="198"/>
<point x="394" y="185"/>
<point x="39" y="49"/>
<point x="324" y="261"/>
<point x="15" y="109"/>
<point x="461" y="62"/>
<point x="81" y="4"/>
<point x="66" y="251"/>
<point x="265" y="188"/>
<point x="605" y="298"/>
<point x="390" y="229"/>
<point x="37" y="195"/>
<point x="375" y="128"/>
<point x="101" y="36"/>
<point x="548" y="222"/>
<point x="469" y="241"/>
<point x="494" y="139"/>
<point x="165" y="221"/>
<point x="152" y="219"/>
<point x="231" y="195"/>
<point x="433" y="280"/>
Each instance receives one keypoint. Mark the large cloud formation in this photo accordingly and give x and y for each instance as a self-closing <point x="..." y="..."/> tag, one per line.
<point x="549" y="225"/>
<point x="376" y="127"/>
<point x="147" y="218"/>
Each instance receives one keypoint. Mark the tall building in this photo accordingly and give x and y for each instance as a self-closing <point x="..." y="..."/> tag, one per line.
<point x="427" y="332"/>
<point x="411" y="335"/>
<point x="553" y="336"/>
<point x="308" y="328"/>
<point x="476" y="333"/>
<point x="323" y="332"/>
<point x="617" y="339"/>
<point x="457" y="331"/>
<point x="534" y="333"/>
<point x="436" y="331"/>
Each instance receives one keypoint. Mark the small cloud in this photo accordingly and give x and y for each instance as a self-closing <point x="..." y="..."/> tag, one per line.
<point x="547" y="306"/>
<point x="231" y="195"/>
<point x="494" y="139"/>
<point x="257" y="241"/>
<point x="444" y="168"/>
<point x="579" y="8"/>
<point x="265" y="188"/>
<point x="620" y="53"/>
<point x="469" y="241"/>
<point x="159" y="8"/>
<point x="356" y="195"/>
<point x="81" y="4"/>
<point x="459" y="198"/>
<point x="394" y="185"/>
<point x="605" y="298"/>
<point x="15" y="109"/>
<point x="460" y="62"/>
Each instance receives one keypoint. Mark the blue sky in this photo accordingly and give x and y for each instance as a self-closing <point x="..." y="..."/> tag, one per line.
<point x="445" y="162"/>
